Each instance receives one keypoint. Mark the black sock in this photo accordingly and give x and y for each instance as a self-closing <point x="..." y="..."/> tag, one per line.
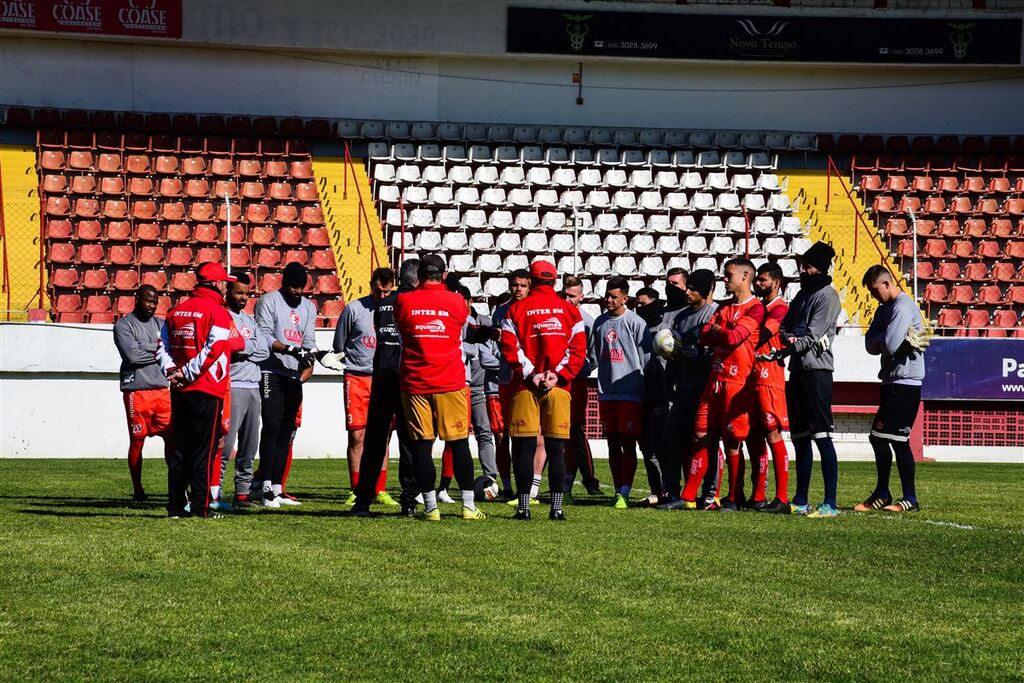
<point x="829" y="468"/>
<point x="905" y="466"/>
<point x="555" y="449"/>
<point x="804" y="465"/>
<point x="523" y="449"/>
<point x="444" y="483"/>
<point x="423" y="462"/>
<point x="883" y="466"/>
<point x="462" y="463"/>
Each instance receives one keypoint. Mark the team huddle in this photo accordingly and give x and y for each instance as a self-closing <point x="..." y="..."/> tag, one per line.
<point x="688" y="381"/>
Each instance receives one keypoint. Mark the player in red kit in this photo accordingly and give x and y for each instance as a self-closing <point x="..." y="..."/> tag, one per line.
<point x="768" y="416"/>
<point x="723" y="412"/>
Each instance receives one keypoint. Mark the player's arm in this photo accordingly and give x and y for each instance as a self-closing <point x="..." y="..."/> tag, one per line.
<point x="748" y="325"/>
<point x="163" y="354"/>
<point x="896" y="331"/>
<point x="874" y="338"/>
<point x="772" y="324"/>
<point x="820" y="318"/>
<point x="131" y="349"/>
<point x="512" y="349"/>
<point x="266" y="322"/>
<point x="575" y="353"/>
<point x="341" y="330"/>
<point x="261" y="346"/>
<point x="644" y="344"/>
<point x="217" y="342"/>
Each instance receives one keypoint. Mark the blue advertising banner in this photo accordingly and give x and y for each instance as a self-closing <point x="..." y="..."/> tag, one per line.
<point x="976" y="369"/>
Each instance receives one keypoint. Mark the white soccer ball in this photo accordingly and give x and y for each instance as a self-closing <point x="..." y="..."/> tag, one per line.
<point x="666" y="343"/>
<point x="486" y="488"/>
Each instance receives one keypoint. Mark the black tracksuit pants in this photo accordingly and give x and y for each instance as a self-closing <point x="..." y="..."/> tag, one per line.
<point x="197" y="420"/>
<point x="385" y="407"/>
<point x="280" y="398"/>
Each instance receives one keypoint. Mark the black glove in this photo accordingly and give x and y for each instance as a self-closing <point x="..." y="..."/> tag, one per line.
<point x="298" y="352"/>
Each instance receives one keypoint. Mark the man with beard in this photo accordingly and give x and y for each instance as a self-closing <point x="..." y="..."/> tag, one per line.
<point x="577" y="452"/>
<point x="654" y="408"/>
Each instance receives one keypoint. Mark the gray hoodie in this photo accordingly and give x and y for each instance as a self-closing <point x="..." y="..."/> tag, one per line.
<point x="136" y="341"/>
<point x="291" y="326"/>
<point x="887" y="337"/>
<point x="245" y="369"/>
<point x="356" y="336"/>
<point x="619" y="347"/>
<point x="812" y="316"/>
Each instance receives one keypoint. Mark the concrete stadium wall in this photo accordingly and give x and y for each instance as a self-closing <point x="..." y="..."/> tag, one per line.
<point x="59" y="399"/>
<point x="276" y="79"/>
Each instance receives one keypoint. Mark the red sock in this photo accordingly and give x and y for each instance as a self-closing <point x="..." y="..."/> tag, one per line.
<point x="780" y="462"/>
<point x="759" y="467"/>
<point x="382" y="478"/>
<point x="287" y="463"/>
<point x="735" y="478"/>
<point x="447" y="470"/>
<point x="698" y="468"/>
<point x="353" y="479"/>
<point x="718" y="480"/>
<point x="215" y="472"/>
<point x="135" y="464"/>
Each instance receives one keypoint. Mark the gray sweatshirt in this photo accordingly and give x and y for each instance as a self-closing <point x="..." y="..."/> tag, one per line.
<point x="687" y="374"/>
<point x="356" y="336"/>
<point x="280" y="322"/>
<point x="136" y="341"/>
<point x="497" y="318"/>
<point x="245" y="369"/>
<point x="812" y="316"/>
<point x="887" y="337"/>
<point x="619" y="347"/>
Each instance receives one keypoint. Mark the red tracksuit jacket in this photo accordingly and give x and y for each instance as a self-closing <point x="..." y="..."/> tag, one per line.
<point x="429" y="321"/>
<point x="543" y="332"/>
<point x="198" y="338"/>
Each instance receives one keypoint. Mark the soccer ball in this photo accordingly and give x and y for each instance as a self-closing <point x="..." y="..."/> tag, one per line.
<point x="666" y="344"/>
<point x="485" y="488"/>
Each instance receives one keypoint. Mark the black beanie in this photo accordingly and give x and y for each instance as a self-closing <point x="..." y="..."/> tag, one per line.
<point x="701" y="281"/>
<point x="294" y="275"/>
<point x="820" y="256"/>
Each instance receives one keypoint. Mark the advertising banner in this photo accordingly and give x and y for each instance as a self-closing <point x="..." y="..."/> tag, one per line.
<point x="154" y="18"/>
<point x="976" y="369"/>
<point x="785" y="38"/>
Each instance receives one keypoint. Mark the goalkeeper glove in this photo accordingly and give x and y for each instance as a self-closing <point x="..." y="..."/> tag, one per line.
<point x="918" y="340"/>
<point x="298" y="352"/>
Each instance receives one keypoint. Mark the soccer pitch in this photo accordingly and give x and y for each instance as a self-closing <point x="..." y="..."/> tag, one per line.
<point x="93" y="589"/>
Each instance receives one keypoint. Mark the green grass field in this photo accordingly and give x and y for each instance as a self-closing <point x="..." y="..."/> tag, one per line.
<point x="92" y="589"/>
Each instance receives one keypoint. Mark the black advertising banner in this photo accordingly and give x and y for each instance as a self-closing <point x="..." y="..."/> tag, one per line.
<point x="782" y="38"/>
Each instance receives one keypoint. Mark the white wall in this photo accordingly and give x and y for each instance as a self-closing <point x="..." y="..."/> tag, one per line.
<point x="502" y="89"/>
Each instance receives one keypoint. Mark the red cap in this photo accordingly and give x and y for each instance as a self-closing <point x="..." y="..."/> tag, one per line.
<point x="543" y="270"/>
<point x="213" y="272"/>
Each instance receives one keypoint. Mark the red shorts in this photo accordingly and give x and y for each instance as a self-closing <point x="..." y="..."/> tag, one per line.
<point x="225" y="414"/>
<point x="769" y="409"/>
<point x="357" y="400"/>
<point x="579" y="390"/>
<point x="495" y="414"/>
<point x="148" y="412"/>
<point x="621" y="418"/>
<point x="724" y="409"/>
<point x="298" y="417"/>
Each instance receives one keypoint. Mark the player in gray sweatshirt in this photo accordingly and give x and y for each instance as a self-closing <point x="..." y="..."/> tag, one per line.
<point x="895" y="335"/>
<point x="619" y="348"/>
<point x="147" y="398"/>
<point x="808" y="330"/>
<point x="288" y="320"/>
<point x="245" y="396"/>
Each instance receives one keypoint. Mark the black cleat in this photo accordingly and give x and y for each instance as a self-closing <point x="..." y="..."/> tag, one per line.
<point x="557" y="515"/>
<point x="522" y="515"/>
<point x="244" y="503"/>
<point x="409" y="510"/>
<point x="360" y="510"/>
<point x="673" y="504"/>
<point x="756" y="505"/>
<point x="729" y="506"/>
<point x="776" y="507"/>
<point x="593" y="489"/>
<point x="139" y="497"/>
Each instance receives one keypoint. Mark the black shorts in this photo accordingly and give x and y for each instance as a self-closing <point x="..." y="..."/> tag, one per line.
<point x="897" y="410"/>
<point x="809" y="400"/>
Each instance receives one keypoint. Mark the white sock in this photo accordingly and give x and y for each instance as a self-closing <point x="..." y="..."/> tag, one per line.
<point x="429" y="501"/>
<point x="467" y="499"/>
<point x="535" y="486"/>
<point x="215" y="492"/>
<point x="267" y="485"/>
<point x="276" y="488"/>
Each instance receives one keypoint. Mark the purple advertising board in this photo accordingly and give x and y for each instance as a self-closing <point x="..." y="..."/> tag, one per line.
<point x="974" y="369"/>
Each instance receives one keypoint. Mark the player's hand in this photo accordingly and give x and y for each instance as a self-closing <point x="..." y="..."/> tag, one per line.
<point x="177" y="379"/>
<point x="918" y="340"/>
<point x="299" y="353"/>
<point x="765" y="357"/>
<point x="823" y="344"/>
<point x="550" y="380"/>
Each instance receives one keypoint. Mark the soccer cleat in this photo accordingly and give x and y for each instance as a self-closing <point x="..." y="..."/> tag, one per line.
<point x="594" y="488"/>
<point x="903" y="505"/>
<point x="756" y="505"/>
<point x="795" y="509"/>
<point x="432" y="516"/>
<point x="523" y="515"/>
<point x="728" y="506"/>
<point x="256" y="489"/>
<point x="673" y="504"/>
<point x="384" y="498"/>
<point x="650" y="501"/>
<point x="360" y="510"/>
<point x="408" y="510"/>
<point x="285" y="494"/>
<point x="222" y="506"/>
<point x="620" y="502"/>
<point x="515" y="502"/>
<point x="214" y="515"/>
<point x="351" y="500"/>
<point x="270" y="500"/>
<point x="443" y="497"/>
<point x="824" y="511"/>
<point x="776" y="507"/>
<point x="557" y="516"/>
<point x="287" y="501"/>
<point x="712" y="505"/>
<point x="472" y="514"/>
<point x="873" y="503"/>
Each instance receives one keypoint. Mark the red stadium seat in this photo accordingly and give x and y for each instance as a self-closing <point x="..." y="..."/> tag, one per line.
<point x="948" y="184"/>
<point x="52" y="139"/>
<point x="253" y="190"/>
<point x="183" y="282"/>
<point x="201" y="212"/>
<point x="144" y="210"/>
<point x="52" y="160"/>
<point x="96" y="278"/>
<point x="68" y="303"/>
<point x="306" y="192"/>
<point x="272" y="147"/>
<point x="64" y="277"/>
<point x="312" y="215"/>
<point x="289" y="236"/>
<point x="212" y="124"/>
<point x="934" y="205"/>
<point x="206" y="233"/>
<point x="883" y="203"/>
<point x="1015" y="294"/>
<point x="126" y="280"/>
<point x="925" y="227"/>
<point x="301" y="170"/>
<point x="135" y="142"/>
<point x="285" y="213"/>
<point x="950" y="319"/>
<point x="925" y="270"/>
<point x="323" y="259"/>
<point x="988" y="206"/>
<point x="896" y="183"/>
<point x="138" y="164"/>
<point x="163" y="305"/>
<point x="906" y="248"/>
<point x="936" y="248"/>
<point x="58" y="228"/>
<point x="976" y="320"/>
<point x="249" y="168"/>
<point x="330" y="312"/>
<point x="949" y="227"/>
<point x="1014" y="206"/>
<point x="55" y="183"/>
<point x="246" y="147"/>
<point x="180" y="256"/>
<point x="909" y="204"/>
<point x="92" y="254"/>
<point x="166" y="164"/>
<point x="164" y="143"/>
<point x="280" y="191"/>
<point x="975" y="227"/>
<point x="125" y="304"/>
<point x="296" y="256"/>
<point x="950" y="271"/>
<point x="172" y="211"/>
<point x="976" y="272"/>
<point x="112" y="185"/>
<point x="257" y="213"/>
<point x="83" y="184"/>
<point x="170" y="187"/>
<point x="1004" y="321"/>
<point x="275" y="169"/>
<point x="193" y="144"/>
<point x="973" y="184"/>
<point x="999" y="185"/>
<point x="148" y="232"/>
<point x="237" y="234"/>
<point x="270" y="282"/>
<point x="88" y="230"/>
<point x="197" y="187"/>
<point x="298" y="148"/>
<point x="1003" y="272"/>
<point x="317" y="237"/>
<point x="328" y="284"/>
<point x="97" y="303"/>
<point x="989" y="249"/>
<point x="81" y="160"/>
<point x="225" y="187"/>
<point x="210" y="255"/>
<point x="1001" y="227"/>
<point x="115" y="208"/>
<point x="243" y="125"/>
<point x="990" y="294"/>
<point x="961" y="294"/>
<point x="870" y="183"/>
<point x="140" y="187"/>
<point x="262" y="235"/>
<point x="240" y="257"/>
<point x="1015" y="250"/>
<point x="151" y="255"/>
<point x="122" y="254"/>
<point x="178" y="232"/>
<point x="961" y="205"/>
<point x="250" y="306"/>
<point x="58" y="206"/>
<point x="156" y="279"/>
<point x="268" y="258"/>
<point x="960" y="249"/>
<point x="222" y="213"/>
<point x="119" y="230"/>
<point x="222" y="167"/>
<point x="922" y="183"/>
<point x="185" y="123"/>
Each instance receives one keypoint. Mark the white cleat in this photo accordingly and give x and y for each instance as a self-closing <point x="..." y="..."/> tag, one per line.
<point x="284" y="501"/>
<point x="443" y="497"/>
<point x="270" y="500"/>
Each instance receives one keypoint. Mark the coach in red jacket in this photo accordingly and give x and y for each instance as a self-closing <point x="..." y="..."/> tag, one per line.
<point x="195" y="346"/>
<point x="543" y="341"/>
<point x="432" y="380"/>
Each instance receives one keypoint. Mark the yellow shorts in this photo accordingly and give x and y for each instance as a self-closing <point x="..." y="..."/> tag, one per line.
<point x="437" y="415"/>
<point x="547" y="413"/>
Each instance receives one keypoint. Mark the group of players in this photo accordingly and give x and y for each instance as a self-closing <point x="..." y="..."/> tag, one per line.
<point x="686" y="380"/>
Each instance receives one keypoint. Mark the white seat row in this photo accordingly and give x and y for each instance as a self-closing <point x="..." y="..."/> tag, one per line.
<point x="553" y="135"/>
<point x="567" y="177"/>
<point x="651" y="200"/>
<point x="558" y="156"/>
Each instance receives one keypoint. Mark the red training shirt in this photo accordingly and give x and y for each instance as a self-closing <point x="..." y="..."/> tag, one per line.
<point x="543" y="332"/>
<point x="733" y="344"/>
<point x="429" y="321"/>
<point x="771" y="373"/>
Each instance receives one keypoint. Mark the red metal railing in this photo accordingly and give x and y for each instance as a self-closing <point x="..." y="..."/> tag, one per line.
<point x="362" y="218"/>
